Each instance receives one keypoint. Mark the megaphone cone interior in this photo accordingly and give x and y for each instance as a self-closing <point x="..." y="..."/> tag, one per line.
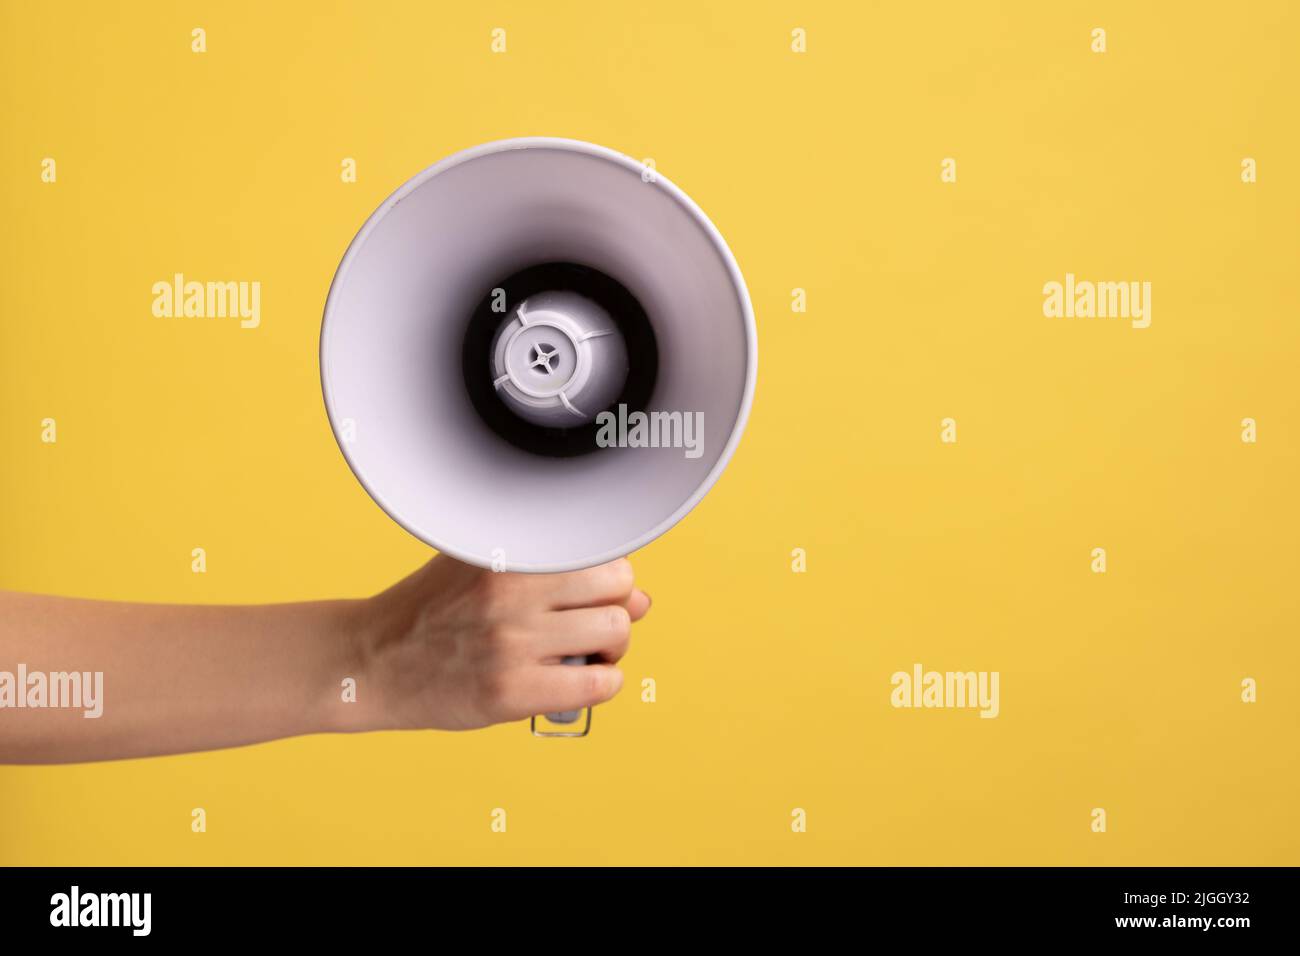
<point x="568" y="281"/>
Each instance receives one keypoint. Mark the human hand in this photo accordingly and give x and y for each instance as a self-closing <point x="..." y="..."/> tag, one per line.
<point x="456" y="647"/>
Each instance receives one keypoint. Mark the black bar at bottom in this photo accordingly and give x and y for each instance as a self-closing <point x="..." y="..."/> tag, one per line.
<point x="211" y="905"/>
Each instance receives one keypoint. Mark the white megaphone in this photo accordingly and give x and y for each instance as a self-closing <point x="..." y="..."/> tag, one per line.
<point x="538" y="355"/>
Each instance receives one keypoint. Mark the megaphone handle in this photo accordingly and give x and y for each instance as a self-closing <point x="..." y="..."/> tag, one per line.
<point x="568" y="716"/>
<point x="565" y="716"/>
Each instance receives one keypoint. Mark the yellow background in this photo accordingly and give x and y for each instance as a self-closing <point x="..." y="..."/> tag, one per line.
<point x="1119" y="690"/>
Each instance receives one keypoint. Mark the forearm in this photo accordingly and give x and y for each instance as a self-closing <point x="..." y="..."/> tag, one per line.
<point x="175" y="678"/>
<point x="451" y="647"/>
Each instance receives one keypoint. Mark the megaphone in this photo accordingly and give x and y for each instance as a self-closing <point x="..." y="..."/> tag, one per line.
<point x="538" y="355"/>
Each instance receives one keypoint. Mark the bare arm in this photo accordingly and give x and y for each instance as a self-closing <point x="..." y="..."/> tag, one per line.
<point x="449" y="647"/>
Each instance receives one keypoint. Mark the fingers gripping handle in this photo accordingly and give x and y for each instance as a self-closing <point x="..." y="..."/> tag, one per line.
<point x="566" y="716"/>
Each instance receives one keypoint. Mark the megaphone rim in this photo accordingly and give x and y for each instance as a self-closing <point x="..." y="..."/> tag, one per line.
<point x="685" y="201"/>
